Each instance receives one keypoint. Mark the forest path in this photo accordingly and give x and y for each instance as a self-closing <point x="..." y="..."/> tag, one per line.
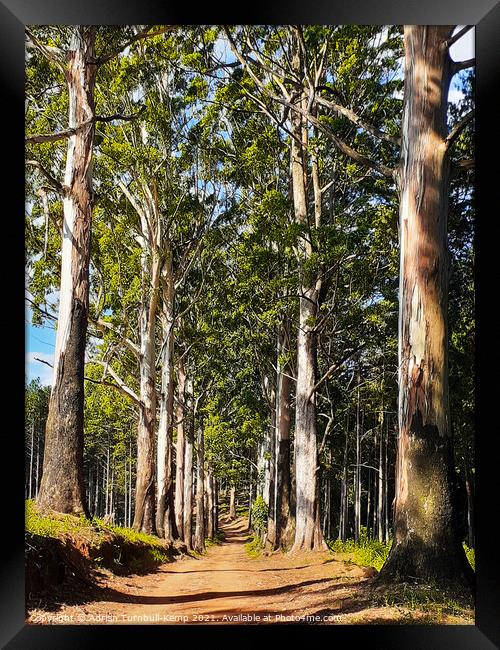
<point x="227" y="586"/>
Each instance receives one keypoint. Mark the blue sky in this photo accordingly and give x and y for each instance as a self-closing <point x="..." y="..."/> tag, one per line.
<point x="40" y="341"/>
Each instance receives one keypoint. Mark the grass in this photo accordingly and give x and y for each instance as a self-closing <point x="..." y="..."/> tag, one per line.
<point x="372" y="553"/>
<point x="435" y="603"/>
<point x="216" y="540"/>
<point x="253" y="547"/>
<point x="368" y="552"/>
<point x="130" y="549"/>
<point x="56" y="525"/>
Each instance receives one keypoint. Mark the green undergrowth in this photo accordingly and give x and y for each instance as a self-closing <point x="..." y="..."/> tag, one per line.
<point x="428" y="599"/>
<point x="216" y="540"/>
<point x="253" y="547"/>
<point x="368" y="552"/>
<point x="105" y="545"/>
<point x="373" y="553"/>
<point x="471" y="556"/>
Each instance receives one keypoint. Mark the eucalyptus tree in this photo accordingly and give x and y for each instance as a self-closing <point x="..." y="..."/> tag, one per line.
<point x="286" y="71"/>
<point x="426" y="541"/>
<point x="62" y="486"/>
<point x="148" y="173"/>
<point x="78" y="54"/>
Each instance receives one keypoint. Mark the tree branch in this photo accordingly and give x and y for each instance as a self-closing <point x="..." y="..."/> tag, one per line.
<point x="355" y="119"/>
<point x="463" y="65"/>
<point x="54" y="183"/>
<point x="339" y="144"/>
<point x="37" y="138"/>
<point x="42" y="311"/>
<point x="103" y="325"/>
<point x="43" y="361"/>
<point x="67" y="133"/>
<point x="332" y="369"/>
<point x="52" y="54"/>
<point x="458" y="35"/>
<point x="145" y="33"/>
<point x="120" y="384"/>
<point x="458" y="128"/>
<point x="463" y="163"/>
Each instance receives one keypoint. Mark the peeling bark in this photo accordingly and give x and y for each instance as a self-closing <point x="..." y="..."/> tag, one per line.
<point x="62" y="485"/>
<point x="426" y="541"/>
<point x="308" y="535"/>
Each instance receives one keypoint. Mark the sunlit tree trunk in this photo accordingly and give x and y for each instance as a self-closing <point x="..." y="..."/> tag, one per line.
<point x="32" y="449"/>
<point x="232" y="503"/>
<point x="283" y="487"/>
<point x="426" y="542"/>
<point x="344" y="504"/>
<point x="62" y="485"/>
<point x="308" y="534"/>
<point x="144" y="516"/>
<point x="271" y="492"/>
<point x="199" y="541"/>
<point x="188" y="469"/>
<point x="180" y="448"/>
<point x="164" y="514"/>
<point x="357" y="476"/>
<point x="210" y="505"/>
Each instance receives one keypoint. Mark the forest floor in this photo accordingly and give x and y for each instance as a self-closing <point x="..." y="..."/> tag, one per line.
<point x="228" y="586"/>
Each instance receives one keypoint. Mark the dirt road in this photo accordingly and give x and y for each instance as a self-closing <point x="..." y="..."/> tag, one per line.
<point x="226" y="586"/>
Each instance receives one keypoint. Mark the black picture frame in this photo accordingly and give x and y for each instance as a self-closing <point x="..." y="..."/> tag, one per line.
<point x="485" y="14"/>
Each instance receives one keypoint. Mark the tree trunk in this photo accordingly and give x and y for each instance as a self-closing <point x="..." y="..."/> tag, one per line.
<point x="164" y="515"/>
<point x="210" y="506"/>
<point x="180" y="448"/>
<point x="62" y="485"/>
<point x="216" y="504"/>
<point x="129" y="518"/>
<point x="271" y="519"/>
<point x="426" y="542"/>
<point x="386" y="490"/>
<point x="308" y="534"/>
<point x="344" y="504"/>
<point x="357" y="485"/>
<point x="144" y="516"/>
<point x="31" y="459"/>
<point x="368" y="503"/>
<point x="96" y="497"/>
<point x="284" y="383"/>
<point x="188" y="473"/>
<point x="199" y="541"/>
<point x="469" y="487"/>
<point x="107" y="481"/>
<point x="232" y="503"/>
<point x="250" y="500"/>
<point x="380" y="484"/>
<point x="37" y="484"/>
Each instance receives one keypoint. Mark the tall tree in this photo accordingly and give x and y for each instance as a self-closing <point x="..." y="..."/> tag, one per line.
<point x="426" y="541"/>
<point x="62" y="486"/>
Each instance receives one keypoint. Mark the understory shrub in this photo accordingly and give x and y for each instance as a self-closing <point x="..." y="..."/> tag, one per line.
<point x="260" y="514"/>
<point x="368" y="552"/>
